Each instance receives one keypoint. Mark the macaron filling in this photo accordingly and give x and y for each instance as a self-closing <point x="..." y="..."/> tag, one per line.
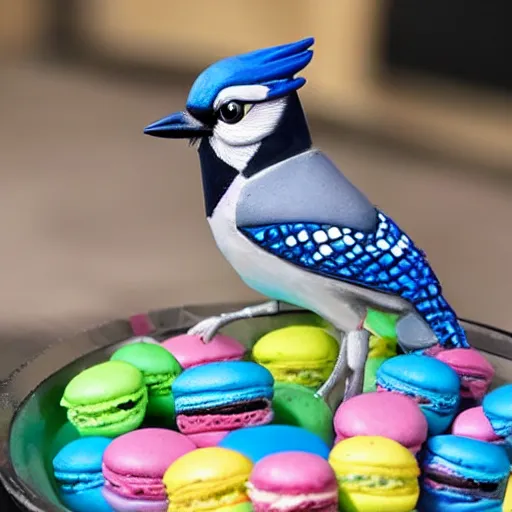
<point x="225" y="417"/>
<point x="439" y="478"/>
<point x="457" y="480"/>
<point x="208" y="495"/>
<point x="159" y="384"/>
<point x="307" y="501"/>
<point x="302" y="373"/>
<point x="111" y="412"/>
<point x="378" y="484"/>
<point x="441" y="403"/>
<point x="135" y="487"/>
<point x="78" y="482"/>
<point x="501" y="425"/>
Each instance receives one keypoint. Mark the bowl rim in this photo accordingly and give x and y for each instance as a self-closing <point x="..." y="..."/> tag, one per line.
<point x="161" y="322"/>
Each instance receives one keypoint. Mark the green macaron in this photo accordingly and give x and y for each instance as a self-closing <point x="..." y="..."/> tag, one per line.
<point x="159" y="369"/>
<point x="370" y="373"/>
<point x="297" y="405"/>
<point x="108" y="399"/>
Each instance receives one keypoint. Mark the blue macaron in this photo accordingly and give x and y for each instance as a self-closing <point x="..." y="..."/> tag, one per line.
<point x="258" y="442"/>
<point x="223" y="396"/>
<point x="77" y="471"/>
<point x="497" y="406"/>
<point x="460" y="474"/>
<point x="431" y="383"/>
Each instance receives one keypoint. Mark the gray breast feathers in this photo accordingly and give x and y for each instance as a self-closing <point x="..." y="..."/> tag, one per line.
<point x="305" y="188"/>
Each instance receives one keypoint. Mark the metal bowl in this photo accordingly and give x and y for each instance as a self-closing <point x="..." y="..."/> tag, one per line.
<point x="31" y="419"/>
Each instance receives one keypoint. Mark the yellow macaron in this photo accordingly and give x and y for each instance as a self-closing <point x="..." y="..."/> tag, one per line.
<point x="381" y="347"/>
<point x="301" y="354"/>
<point x="375" y="474"/>
<point x="207" y="479"/>
<point x="507" y="504"/>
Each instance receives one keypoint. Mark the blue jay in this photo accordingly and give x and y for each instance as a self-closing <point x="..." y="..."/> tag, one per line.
<point x="291" y="224"/>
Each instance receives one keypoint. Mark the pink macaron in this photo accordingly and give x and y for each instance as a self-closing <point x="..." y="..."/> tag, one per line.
<point x="207" y="439"/>
<point x="474" y="423"/>
<point x="134" y="465"/>
<point x="190" y="350"/>
<point x="293" y="482"/>
<point x="385" y="414"/>
<point x="475" y="372"/>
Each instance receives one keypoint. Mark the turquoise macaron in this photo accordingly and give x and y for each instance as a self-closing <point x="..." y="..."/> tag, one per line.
<point x="460" y="474"/>
<point x="434" y="385"/>
<point x="497" y="407"/>
<point x="215" y="398"/>
<point x="77" y="472"/>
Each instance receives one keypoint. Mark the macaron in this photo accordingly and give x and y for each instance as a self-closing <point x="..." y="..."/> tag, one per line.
<point x="474" y="371"/>
<point x="258" y="442"/>
<point x="375" y="474"/>
<point x="190" y="350"/>
<point x="507" y="502"/>
<point x="381" y="324"/>
<point x="497" y="406"/>
<point x="382" y="345"/>
<point x="134" y="465"/>
<point x="208" y="479"/>
<point x="298" y="405"/>
<point x="474" y="423"/>
<point x="77" y="472"/>
<point x="385" y="414"/>
<point x="159" y="369"/>
<point x="431" y="383"/>
<point x="371" y="368"/>
<point x="220" y="397"/>
<point x="461" y="474"/>
<point x="293" y="482"/>
<point x="108" y="399"/>
<point x="301" y="354"/>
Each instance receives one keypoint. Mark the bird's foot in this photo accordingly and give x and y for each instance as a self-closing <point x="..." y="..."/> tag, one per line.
<point x="206" y="329"/>
<point x="209" y="327"/>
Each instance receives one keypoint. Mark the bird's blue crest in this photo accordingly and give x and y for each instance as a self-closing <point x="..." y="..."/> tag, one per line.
<point x="273" y="67"/>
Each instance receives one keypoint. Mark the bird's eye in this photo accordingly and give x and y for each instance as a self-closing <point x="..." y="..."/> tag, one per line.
<point x="231" y="112"/>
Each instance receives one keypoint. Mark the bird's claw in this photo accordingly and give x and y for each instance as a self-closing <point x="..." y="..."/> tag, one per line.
<point x="206" y="329"/>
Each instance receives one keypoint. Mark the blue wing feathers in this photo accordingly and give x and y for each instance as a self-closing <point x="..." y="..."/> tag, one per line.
<point x="385" y="260"/>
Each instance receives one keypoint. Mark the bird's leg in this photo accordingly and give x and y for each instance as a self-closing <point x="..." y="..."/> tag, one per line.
<point x="339" y="374"/>
<point x="357" y="353"/>
<point x="349" y="367"/>
<point x="208" y="327"/>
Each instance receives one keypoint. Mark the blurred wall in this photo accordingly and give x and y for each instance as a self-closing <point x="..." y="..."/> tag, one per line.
<point x="345" y="83"/>
<point x="22" y="27"/>
<point x="165" y="33"/>
<point x="345" y="80"/>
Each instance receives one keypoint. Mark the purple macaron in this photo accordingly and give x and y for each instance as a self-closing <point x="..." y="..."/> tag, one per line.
<point x="133" y="467"/>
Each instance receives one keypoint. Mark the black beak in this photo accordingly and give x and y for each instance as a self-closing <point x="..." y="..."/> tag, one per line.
<point x="180" y="125"/>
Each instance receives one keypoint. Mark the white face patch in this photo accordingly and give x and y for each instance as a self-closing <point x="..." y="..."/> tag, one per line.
<point x="236" y="144"/>
<point x="243" y="93"/>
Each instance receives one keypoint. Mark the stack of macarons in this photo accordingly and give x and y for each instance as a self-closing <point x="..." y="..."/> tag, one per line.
<point x="184" y="425"/>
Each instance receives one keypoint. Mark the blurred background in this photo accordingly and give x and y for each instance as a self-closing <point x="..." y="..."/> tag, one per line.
<point x="411" y="99"/>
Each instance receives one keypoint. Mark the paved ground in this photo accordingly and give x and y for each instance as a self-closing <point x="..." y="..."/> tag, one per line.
<point x="99" y="221"/>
